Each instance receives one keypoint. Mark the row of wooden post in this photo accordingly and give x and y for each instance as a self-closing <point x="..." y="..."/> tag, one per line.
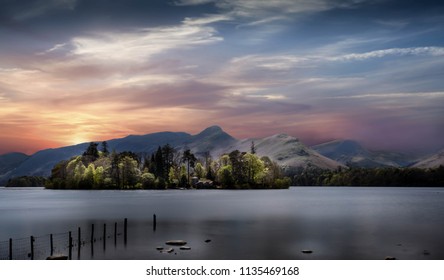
<point x="79" y="239"/>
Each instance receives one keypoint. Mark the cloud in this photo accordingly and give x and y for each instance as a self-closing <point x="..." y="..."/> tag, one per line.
<point x="141" y="44"/>
<point x="432" y="51"/>
<point x="268" y="11"/>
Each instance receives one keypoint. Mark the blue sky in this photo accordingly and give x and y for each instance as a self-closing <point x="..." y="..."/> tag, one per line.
<point x="74" y="71"/>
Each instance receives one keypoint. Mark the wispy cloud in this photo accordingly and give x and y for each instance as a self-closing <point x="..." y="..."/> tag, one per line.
<point x="141" y="44"/>
<point x="433" y="51"/>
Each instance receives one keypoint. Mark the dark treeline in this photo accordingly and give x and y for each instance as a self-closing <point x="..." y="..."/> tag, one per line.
<point x="165" y="169"/>
<point x="27" y="181"/>
<point x="409" y="177"/>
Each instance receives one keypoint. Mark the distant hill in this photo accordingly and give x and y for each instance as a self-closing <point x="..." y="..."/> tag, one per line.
<point x="286" y="150"/>
<point x="9" y="162"/>
<point x="351" y="153"/>
<point x="431" y="161"/>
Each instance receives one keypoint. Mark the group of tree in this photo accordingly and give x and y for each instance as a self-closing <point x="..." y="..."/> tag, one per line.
<point x="166" y="168"/>
<point x="27" y="181"/>
<point x="392" y="176"/>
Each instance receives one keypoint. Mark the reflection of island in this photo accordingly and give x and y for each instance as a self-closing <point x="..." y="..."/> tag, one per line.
<point x="26" y="181"/>
<point x="167" y="168"/>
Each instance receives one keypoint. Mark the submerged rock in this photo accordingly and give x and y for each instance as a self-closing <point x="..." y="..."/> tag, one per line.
<point x="176" y="242"/>
<point x="57" y="257"/>
<point x="307" y="251"/>
<point x="390" y="258"/>
<point x="208" y="241"/>
<point x="185" y="248"/>
<point x="160" y="248"/>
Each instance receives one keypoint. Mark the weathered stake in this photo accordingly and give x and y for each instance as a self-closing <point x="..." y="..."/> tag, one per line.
<point x="69" y="246"/>
<point x="104" y="237"/>
<point x="32" y="247"/>
<point x="125" y="230"/>
<point x="10" y="248"/>
<point x="51" y="241"/>
<point x="79" y="242"/>
<point x="92" y="240"/>
<point x="92" y="233"/>
<point x="115" y="234"/>
<point x="154" y="222"/>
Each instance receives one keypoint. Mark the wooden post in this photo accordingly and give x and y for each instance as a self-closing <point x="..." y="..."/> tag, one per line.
<point x="92" y="233"/>
<point x="10" y="248"/>
<point x="154" y="222"/>
<point x="115" y="234"/>
<point x="32" y="247"/>
<point x="104" y="237"/>
<point x="92" y="240"/>
<point x="69" y="246"/>
<point x="125" y="230"/>
<point x="79" y="242"/>
<point x="51" y="242"/>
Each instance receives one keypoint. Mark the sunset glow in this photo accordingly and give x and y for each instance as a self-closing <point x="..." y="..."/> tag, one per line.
<point x="78" y="71"/>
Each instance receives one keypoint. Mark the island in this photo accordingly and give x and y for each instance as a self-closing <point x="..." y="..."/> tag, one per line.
<point x="167" y="168"/>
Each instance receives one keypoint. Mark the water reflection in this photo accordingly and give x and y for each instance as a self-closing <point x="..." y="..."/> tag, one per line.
<point x="333" y="223"/>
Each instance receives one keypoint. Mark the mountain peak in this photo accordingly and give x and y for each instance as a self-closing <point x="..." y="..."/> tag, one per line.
<point x="211" y="130"/>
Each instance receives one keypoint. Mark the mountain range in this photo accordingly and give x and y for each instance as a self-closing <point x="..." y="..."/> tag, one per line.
<point x="353" y="154"/>
<point x="286" y="150"/>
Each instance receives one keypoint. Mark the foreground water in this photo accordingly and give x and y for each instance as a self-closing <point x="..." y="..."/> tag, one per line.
<point x="333" y="222"/>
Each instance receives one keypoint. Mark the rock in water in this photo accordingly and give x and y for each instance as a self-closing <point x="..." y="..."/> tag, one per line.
<point x="307" y="251"/>
<point x="185" y="248"/>
<point x="390" y="258"/>
<point x="208" y="241"/>
<point x="176" y="242"/>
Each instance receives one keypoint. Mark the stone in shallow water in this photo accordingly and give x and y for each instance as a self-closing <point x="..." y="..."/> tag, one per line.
<point x="185" y="248"/>
<point x="208" y="241"/>
<point x="176" y="242"/>
<point x="307" y="251"/>
<point x="167" y="250"/>
<point x="160" y="248"/>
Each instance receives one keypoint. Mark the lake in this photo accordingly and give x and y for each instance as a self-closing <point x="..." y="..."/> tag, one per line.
<point x="332" y="222"/>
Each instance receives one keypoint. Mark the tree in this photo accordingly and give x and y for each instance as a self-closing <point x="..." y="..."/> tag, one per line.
<point x="238" y="172"/>
<point x="148" y="180"/>
<point x="253" y="148"/>
<point x="129" y="171"/>
<point x="105" y="148"/>
<point x="92" y="151"/>
<point x="190" y="159"/>
<point x="226" y="177"/>
<point x="199" y="170"/>
<point x="255" y="168"/>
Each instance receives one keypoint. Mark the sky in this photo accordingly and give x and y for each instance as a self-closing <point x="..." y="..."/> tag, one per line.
<point x="75" y="71"/>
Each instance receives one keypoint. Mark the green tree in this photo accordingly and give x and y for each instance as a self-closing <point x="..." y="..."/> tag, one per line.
<point x="129" y="171"/>
<point x="226" y="177"/>
<point x="199" y="170"/>
<point x="254" y="167"/>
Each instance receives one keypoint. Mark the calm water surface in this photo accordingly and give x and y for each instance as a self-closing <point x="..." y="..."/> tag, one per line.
<point x="333" y="222"/>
